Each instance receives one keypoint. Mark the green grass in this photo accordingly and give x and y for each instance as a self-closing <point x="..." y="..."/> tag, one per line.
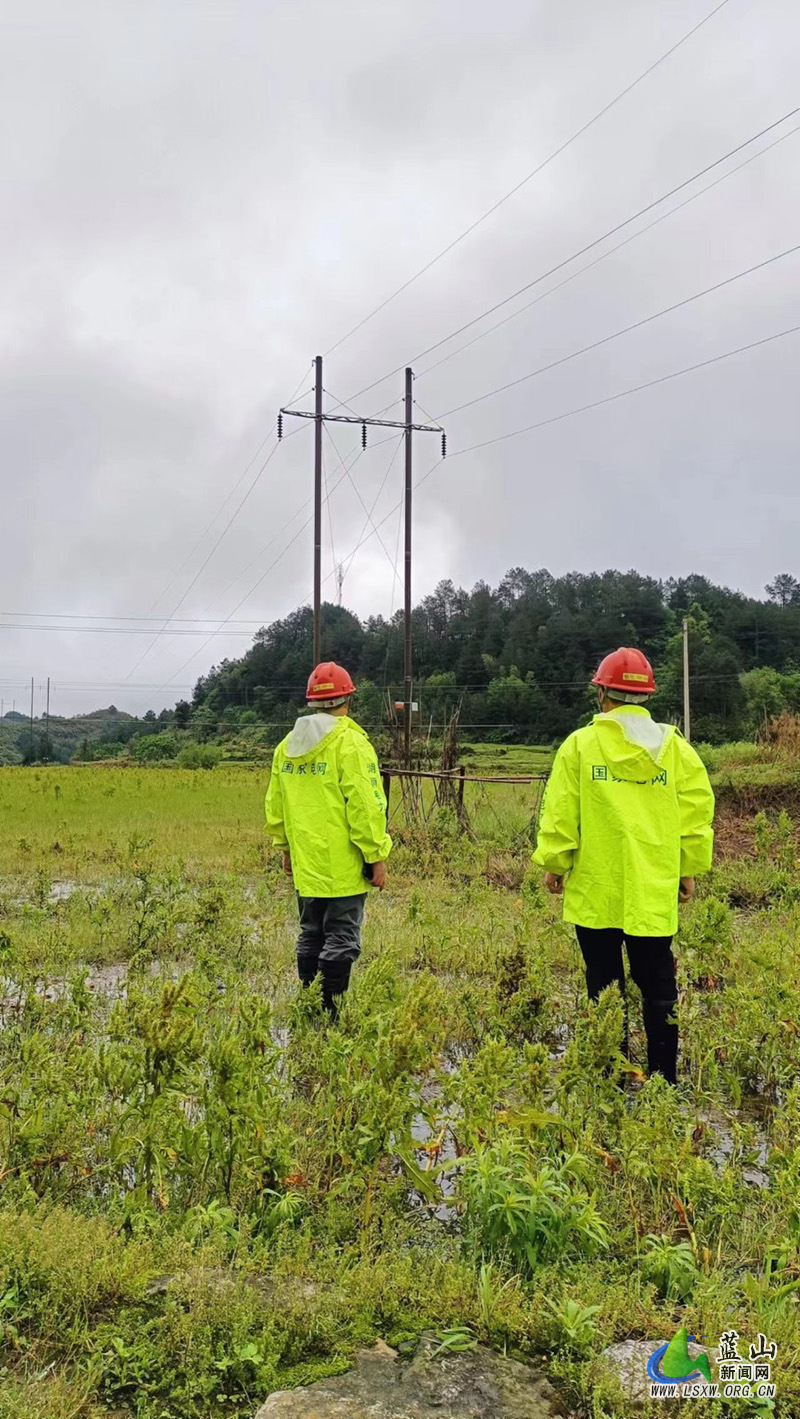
<point x="508" y="759"/>
<point x="79" y="822"/>
<point x="207" y="1194"/>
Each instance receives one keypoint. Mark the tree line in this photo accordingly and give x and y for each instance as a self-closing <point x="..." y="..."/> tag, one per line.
<point x="518" y="657"/>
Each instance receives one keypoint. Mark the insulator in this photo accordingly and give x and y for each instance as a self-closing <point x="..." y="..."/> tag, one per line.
<point x="280" y="427"/>
<point x="444" y="445"/>
<point x="363" y="435"/>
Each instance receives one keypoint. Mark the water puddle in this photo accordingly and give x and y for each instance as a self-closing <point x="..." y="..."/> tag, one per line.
<point x="726" y="1142"/>
<point x="109" y="982"/>
<point x="559" y="1039"/>
<point x="436" y="1147"/>
<point x="62" y="891"/>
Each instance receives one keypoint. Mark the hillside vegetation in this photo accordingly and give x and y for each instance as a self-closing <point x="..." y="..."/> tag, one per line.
<point x="519" y="657"/>
<point x="517" y="660"/>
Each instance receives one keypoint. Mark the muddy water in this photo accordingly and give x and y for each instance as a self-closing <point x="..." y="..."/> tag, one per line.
<point x="724" y="1143"/>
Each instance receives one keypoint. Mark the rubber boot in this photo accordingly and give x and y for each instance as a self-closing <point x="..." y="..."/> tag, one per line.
<point x="335" y="980"/>
<point x="662" y="1038"/>
<point x="307" y="970"/>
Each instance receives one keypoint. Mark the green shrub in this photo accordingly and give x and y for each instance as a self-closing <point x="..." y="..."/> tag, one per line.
<point x="155" y="748"/>
<point x="199" y="756"/>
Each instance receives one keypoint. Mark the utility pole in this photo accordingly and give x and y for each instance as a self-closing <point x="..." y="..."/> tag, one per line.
<point x="31" y="718"/>
<point x="339" y="583"/>
<point x="317" y="509"/>
<point x="47" y="722"/>
<point x="408" y="427"/>
<point x="407" y="648"/>
<point x="687" y="724"/>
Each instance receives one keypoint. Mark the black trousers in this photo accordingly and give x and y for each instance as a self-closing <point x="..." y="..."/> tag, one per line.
<point x="329" y="942"/>
<point x="652" y="966"/>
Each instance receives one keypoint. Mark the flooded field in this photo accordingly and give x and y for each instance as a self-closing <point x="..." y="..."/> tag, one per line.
<point x="207" y="1193"/>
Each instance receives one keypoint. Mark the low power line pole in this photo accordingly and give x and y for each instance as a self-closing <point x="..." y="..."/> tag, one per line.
<point x="318" y="392"/>
<point x="407" y="647"/>
<point x="31" y="717"/>
<point x="47" y="722"/>
<point x="408" y="428"/>
<point x="687" y="724"/>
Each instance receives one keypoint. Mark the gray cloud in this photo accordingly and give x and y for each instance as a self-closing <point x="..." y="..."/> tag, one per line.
<point x="199" y="199"/>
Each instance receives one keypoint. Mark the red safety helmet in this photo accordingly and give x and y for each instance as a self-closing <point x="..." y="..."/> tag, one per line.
<point x="626" y="670"/>
<point x="329" y="682"/>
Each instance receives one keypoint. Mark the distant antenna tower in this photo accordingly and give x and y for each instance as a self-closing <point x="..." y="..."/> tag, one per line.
<point x="339" y="583"/>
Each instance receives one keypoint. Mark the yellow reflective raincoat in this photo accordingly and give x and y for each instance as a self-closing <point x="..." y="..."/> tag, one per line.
<point x="627" y="812"/>
<point x="325" y="803"/>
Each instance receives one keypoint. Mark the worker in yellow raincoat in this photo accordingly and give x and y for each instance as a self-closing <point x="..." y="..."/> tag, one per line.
<point x="326" y="810"/>
<point x="625" y="829"/>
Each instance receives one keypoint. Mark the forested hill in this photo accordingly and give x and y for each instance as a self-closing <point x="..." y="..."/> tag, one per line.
<point x="518" y="657"/>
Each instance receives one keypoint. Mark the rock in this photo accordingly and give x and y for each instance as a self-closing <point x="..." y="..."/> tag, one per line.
<point x="474" y="1384"/>
<point x="159" y="1286"/>
<point x="627" y="1363"/>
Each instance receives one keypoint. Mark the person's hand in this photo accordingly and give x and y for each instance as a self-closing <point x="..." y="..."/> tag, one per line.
<point x="554" y="883"/>
<point x="378" y="878"/>
<point x="287" y="863"/>
<point x="687" y="889"/>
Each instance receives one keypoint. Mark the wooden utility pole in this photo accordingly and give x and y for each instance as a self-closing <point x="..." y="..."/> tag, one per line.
<point x="687" y="722"/>
<point x="31" y="717"/>
<point x="317" y="509"/>
<point x="407" y="647"/>
<point x="408" y="427"/>
<point x="47" y="722"/>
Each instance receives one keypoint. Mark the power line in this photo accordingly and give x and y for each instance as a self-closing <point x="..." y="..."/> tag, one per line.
<point x="391" y="608"/>
<point x="582" y="409"/>
<point x="250" y="488"/>
<point x="623" y="393"/>
<point x="365" y="536"/>
<point x="290" y="687"/>
<point x="222" y="505"/>
<point x="590" y="246"/>
<point x="328" y="501"/>
<point x="573" y="276"/>
<point x="626" y="330"/>
<point x="523" y="182"/>
<point x="349" y="476"/>
<point x="81" y="616"/>
<point x="371" y="513"/>
<point x="343" y="404"/>
<point x="263" y="576"/>
<point x="257" y="558"/>
<point x="570" y="413"/>
<point x="290" y="544"/>
<point x="201" y="569"/>
<point x="115" y="630"/>
<point x="598" y="240"/>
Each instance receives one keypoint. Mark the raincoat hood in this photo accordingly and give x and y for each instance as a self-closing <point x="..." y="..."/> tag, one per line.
<point x="309" y="732"/>
<point x="631" y="742"/>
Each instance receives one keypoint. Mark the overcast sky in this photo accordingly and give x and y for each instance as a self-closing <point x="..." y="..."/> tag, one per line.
<point x="199" y="198"/>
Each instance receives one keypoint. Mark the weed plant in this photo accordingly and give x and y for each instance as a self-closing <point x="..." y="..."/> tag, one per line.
<point x="208" y="1193"/>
